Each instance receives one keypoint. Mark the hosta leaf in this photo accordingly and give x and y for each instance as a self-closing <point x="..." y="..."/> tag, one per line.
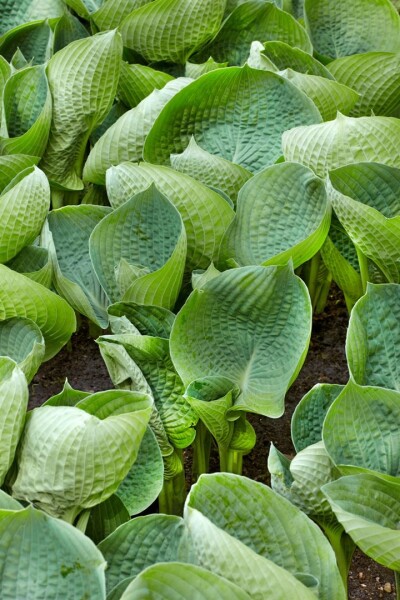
<point x="105" y="518"/>
<point x="361" y="429"/>
<point x="228" y="557"/>
<point x="136" y="82"/>
<point x="195" y="70"/>
<point x="204" y="213"/>
<point x="22" y="297"/>
<point x="284" y="197"/>
<point x="376" y="77"/>
<point x="144" y="482"/>
<point x="258" y="60"/>
<point x="148" y="320"/>
<point x="174" y="580"/>
<point x="27" y="43"/>
<point x="255" y="20"/>
<point x="124" y="141"/>
<point x="235" y="326"/>
<point x="286" y="57"/>
<point x="38" y="552"/>
<point x="13" y="405"/>
<point x="75" y="278"/>
<point x="83" y="81"/>
<point x="373" y="337"/>
<point x="139" y="250"/>
<point x="371" y="232"/>
<point x="210" y="169"/>
<point x="17" y="13"/>
<point x="68" y="29"/>
<point x="342" y="141"/>
<point x="172" y="30"/>
<point x="231" y="111"/>
<point x="83" y="8"/>
<point x="112" y="12"/>
<point x="69" y="459"/>
<point x="22" y="340"/>
<point x="341" y="29"/>
<point x="373" y="524"/>
<point x="264" y="521"/>
<point x="23" y="208"/>
<point x="141" y="543"/>
<point x="151" y="356"/>
<point x="310" y="413"/>
<point x="11" y="166"/>
<point x="8" y="503"/>
<point x="328" y="96"/>
<point x="231" y="5"/>
<point x="67" y="397"/>
<point x="33" y="262"/>
<point x="27" y="113"/>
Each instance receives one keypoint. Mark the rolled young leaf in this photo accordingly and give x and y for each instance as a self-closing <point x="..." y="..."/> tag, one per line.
<point x="251" y="325"/>
<point x="33" y="262"/>
<point x="22" y="340"/>
<point x="231" y="115"/>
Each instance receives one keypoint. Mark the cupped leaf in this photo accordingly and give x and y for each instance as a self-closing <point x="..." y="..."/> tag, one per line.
<point x="69" y="459"/>
<point x="12" y="165"/>
<point x="13" y="405"/>
<point x="285" y="57"/>
<point x="361" y="429"/>
<point x="22" y="340"/>
<point x="67" y="397"/>
<point x="39" y="552"/>
<point x="140" y="543"/>
<point x="231" y="115"/>
<point x="18" y="13"/>
<point x="310" y="413"/>
<point x="27" y="44"/>
<point x="33" y="262"/>
<point x="255" y="20"/>
<point x="27" y="113"/>
<point x="210" y="169"/>
<point x="68" y="29"/>
<point x="111" y="13"/>
<point x="138" y="251"/>
<point x="251" y="325"/>
<point x="105" y="518"/>
<point x="283" y="213"/>
<point x="171" y="30"/>
<point x="373" y="337"/>
<point x="83" y="81"/>
<point x="373" y="524"/>
<point x="74" y="275"/>
<point x="24" y="205"/>
<point x="22" y="297"/>
<point x="343" y="141"/>
<point x="136" y="82"/>
<point x="205" y="215"/>
<point x="195" y="70"/>
<point x="256" y="516"/>
<point x="376" y="77"/>
<point x="147" y="319"/>
<point x="344" y="28"/>
<point x="124" y="141"/>
<point x="174" y="580"/>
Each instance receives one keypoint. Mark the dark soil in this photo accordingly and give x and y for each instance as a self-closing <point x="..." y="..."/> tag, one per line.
<point x="82" y="364"/>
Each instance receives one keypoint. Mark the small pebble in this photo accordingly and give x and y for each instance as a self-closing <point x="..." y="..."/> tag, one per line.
<point x="361" y="575"/>
<point x="388" y="588"/>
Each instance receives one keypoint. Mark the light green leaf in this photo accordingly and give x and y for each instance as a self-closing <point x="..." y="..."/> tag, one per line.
<point x="344" y="28"/>
<point x="231" y="328"/>
<point x="283" y="213"/>
<point x="22" y="297"/>
<point x="27" y="113"/>
<point x="172" y="30"/>
<point x="376" y="77"/>
<point x="361" y="429"/>
<point x="310" y="413"/>
<point x="38" y="552"/>
<point x="23" y="208"/>
<point x="174" y="580"/>
<point x="11" y="166"/>
<point x="74" y="276"/>
<point x="343" y="141"/>
<point x="255" y="20"/>
<point x="83" y="81"/>
<point x="231" y="115"/>
<point x="373" y="337"/>
<point x="148" y="320"/>
<point x="141" y="543"/>
<point x="22" y="340"/>
<point x="210" y="169"/>
<point x="254" y="515"/>
<point x="105" y="518"/>
<point x="139" y="250"/>
<point x="33" y="262"/>
<point x="328" y="96"/>
<point x="18" y="13"/>
<point x="136" y="82"/>
<point x="112" y="12"/>
<point x="124" y="141"/>
<point x="84" y="8"/>
<point x="257" y="60"/>
<point x="204" y="213"/>
<point x="69" y="459"/>
<point x="286" y="57"/>
<point x="67" y="397"/>
<point x="372" y="523"/>
<point x="231" y="5"/>
<point x="195" y="70"/>
<point x="13" y="405"/>
<point x="8" y="503"/>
